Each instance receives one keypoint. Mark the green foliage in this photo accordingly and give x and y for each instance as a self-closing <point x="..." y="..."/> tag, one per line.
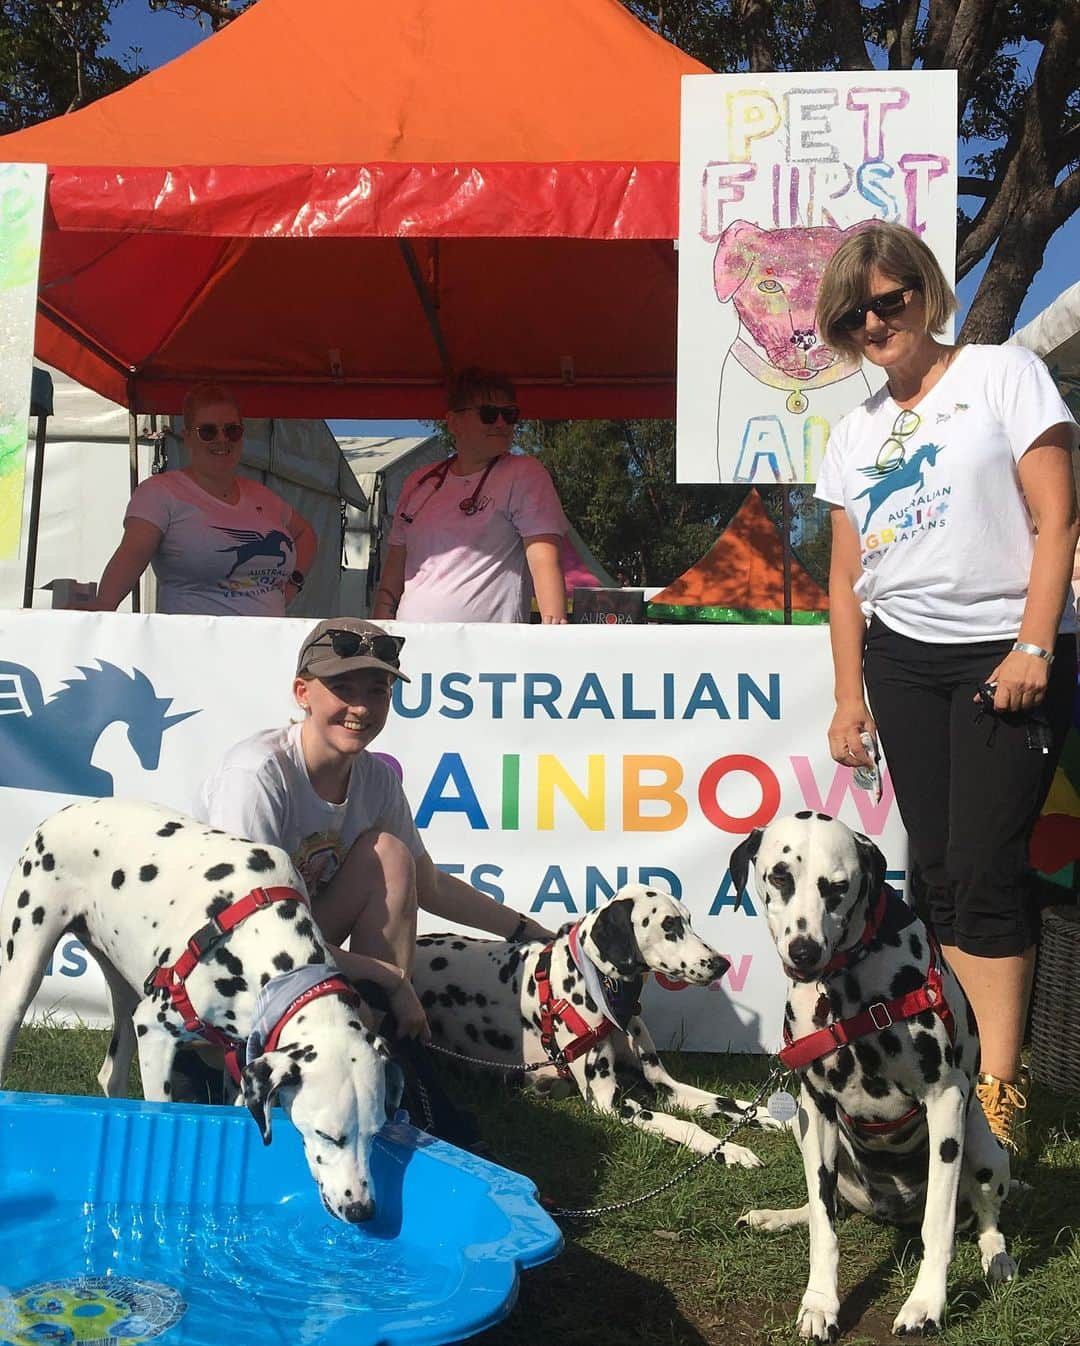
<point x="616" y="481"/>
<point x="50" y="58"/>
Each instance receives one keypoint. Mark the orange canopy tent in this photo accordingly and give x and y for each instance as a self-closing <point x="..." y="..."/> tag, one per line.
<point x="330" y="203"/>
<point x="741" y="578"/>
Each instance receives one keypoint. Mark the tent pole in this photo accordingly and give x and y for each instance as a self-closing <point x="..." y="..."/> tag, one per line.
<point x="786" y="494"/>
<point x="35" y="514"/>
<point x="133" y="481"/>
<point x="426" y="304"/>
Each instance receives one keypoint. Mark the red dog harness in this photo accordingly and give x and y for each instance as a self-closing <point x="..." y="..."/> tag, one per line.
<point x="172" y="978"/>
<point x="799" y="1053"/>
<point x="554" y="1012"/>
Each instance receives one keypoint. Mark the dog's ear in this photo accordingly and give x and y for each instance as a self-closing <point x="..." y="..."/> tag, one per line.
<point x="743" y="856"/>
<point x="261" y="1080"/>
<point x="734" y="258"/>
<point x="612" y="934"/>
<point x="873" y="865"/>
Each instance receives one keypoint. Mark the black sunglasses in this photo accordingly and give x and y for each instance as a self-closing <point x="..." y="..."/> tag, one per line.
<point x="489" y="413"/>
<point x="232" y="430"/>
<point x="348" y="644"/>
<point x="882" y="306"/>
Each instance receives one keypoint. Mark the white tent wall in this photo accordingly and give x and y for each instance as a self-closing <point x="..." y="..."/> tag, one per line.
<point x="379" y="466"/>
<point x="86" y="486"/>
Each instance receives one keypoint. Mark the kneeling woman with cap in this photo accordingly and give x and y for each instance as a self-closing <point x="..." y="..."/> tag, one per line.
<point x="340" y="812"/>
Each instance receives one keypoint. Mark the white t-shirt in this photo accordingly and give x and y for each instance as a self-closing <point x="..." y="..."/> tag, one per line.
<point x="214" y="557"/>
<point x="934" y="496"/>
<point x="262" y="792"/>
<point x="471" y="567"/>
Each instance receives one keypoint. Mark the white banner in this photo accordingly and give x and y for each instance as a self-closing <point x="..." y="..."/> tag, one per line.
<point x="546" y="765"/>
<point x="775" y="170"/>
<point x="22" y="204"/>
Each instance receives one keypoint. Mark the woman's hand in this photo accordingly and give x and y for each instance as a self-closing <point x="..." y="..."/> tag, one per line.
<point x="408" y="1012"/>
<point x="850" y="720"/>
<point x="1020" y="681"/>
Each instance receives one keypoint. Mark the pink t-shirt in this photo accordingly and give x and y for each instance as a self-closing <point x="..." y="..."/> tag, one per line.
<point x="471" y="567"/>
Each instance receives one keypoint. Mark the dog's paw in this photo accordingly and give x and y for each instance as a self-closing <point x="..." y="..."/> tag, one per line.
<point x="999" y="1268"/>
<point x="918" y="1318"/>
<point x="737" y="1155"/>
<point x="817" y="1317"/>
<point x="772" y="1221"/>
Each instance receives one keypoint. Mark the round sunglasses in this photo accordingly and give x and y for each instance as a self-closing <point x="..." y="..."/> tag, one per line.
<point x="886" y="305"/>
<point x="232" y="430"/>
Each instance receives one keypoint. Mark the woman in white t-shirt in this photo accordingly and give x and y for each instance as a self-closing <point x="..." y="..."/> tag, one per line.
<point x="954" y="528"/>
<point x="219" y="543"/>
<point x="341" y="813"/>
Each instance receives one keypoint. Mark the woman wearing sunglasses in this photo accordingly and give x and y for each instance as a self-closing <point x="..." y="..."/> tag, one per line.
<point x="954" y="530"/>
<point x="219" y="543"/>
<point x="475" y="536"/>
<point x="341" y="813"/>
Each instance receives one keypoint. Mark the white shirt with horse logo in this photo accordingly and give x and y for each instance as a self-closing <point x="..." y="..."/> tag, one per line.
<point x="934" y="496"/>
<point x="214" y="557"/>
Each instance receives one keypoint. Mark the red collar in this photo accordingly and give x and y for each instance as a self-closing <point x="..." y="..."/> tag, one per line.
<point x="845" y="957"/>
<point x="555" y="1012"/>
<point x="172" y="978"/>
<point x="799" y="1053"/>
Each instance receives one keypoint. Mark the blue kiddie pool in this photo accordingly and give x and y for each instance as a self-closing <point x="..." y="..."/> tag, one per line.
<point x="124" y="1222"/>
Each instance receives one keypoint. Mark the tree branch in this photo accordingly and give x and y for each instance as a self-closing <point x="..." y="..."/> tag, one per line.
<point x="939" y="27"/>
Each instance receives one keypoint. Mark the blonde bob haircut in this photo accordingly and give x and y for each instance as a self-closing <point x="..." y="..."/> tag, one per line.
<point x="203" y="395"/>
<point x="897" y="253"/>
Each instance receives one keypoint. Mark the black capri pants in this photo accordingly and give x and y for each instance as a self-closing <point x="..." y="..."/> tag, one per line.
<point x="969" y="787"/>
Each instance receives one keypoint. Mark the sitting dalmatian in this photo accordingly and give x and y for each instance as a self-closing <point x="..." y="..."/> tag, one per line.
<point x="885" y="1046"/>
<point x="574" y="1002"/>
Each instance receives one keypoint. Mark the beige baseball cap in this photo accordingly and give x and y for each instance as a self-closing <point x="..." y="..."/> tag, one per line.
<point x="342" y="644"/>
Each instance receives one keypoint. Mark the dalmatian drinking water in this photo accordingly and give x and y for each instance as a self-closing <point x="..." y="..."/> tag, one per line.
<point x="202" y="934"/>
<point x="885" y="1046"/>
<point x="574" y="1002"/>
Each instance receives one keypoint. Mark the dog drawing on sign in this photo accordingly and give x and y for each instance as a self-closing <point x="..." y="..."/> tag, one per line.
<point x="574" y="1002"/>
<point x="194" y="927"/>
<point x="886" y="1049"/>
<point x="781" y="387"/>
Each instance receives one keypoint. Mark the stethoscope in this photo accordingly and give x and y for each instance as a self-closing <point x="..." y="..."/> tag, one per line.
<point x="438" y="475"/>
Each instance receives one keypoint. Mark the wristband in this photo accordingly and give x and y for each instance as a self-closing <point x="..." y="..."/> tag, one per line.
<point x="297" y="579"/>
<point x="1025" y="647"/>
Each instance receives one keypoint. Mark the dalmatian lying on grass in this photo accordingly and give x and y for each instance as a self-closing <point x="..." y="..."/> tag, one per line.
<point x="196" y="929"/>
<point x="886" y="1049"/>
<point x="574" y="1002"/>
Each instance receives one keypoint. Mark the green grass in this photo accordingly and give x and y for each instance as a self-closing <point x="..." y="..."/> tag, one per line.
<point x="674" y="1271"/>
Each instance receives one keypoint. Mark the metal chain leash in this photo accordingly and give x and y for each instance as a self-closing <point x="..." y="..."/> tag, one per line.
<point x="511" y="1067"/>
<point x="749" y="1115"/>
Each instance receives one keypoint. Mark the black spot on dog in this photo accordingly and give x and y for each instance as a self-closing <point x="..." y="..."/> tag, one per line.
<point x="827" y="1190"/>
<point x="510" y="967"/>
<point x="929" y="1054"/>
<point x="140" y="1029"/>
<point x="287" y="910"/>
<point x="169" y="828"/>
<point x="915" y="945"/>
<point x="889" y="1042"/>
<point x="437" y="964"/>
<point x="804" y="813"/>
<point x="906" y="980"/>
<point x="1001" y="1189"/>
<point x="15" y="924"/>
<point x="500" y="1041"/>
<point x="118" y="878"/>
<point x="229" y="961"/>
<point x="843" y="1069"/>
<point x="674" y="928"/>
<point x="283" y="962"/>
<point x="10" y="948"/>
<point x="27" y="869"/>
<point x="231" y="986"/>
<point x="38" y="915"/>
<point x="47" y="861"/>
<point x="804" y="1123"/>
<point x="24" y="898"/>
<point x="472" y="1032"/>
<point x="148" y="872"/>
<point x="781" y="878"/>
<point x="217" y="872"/>
<point x="481" y="999"/>
<point x="875" y="1086"/>
<point x="39" y="843"/>
<point x="305" y="927"/>
<point x="983" y="1175"/>
<point x="260" y="860"/>
<point x="217" y="906"/>
<point x="868" y="1058"/>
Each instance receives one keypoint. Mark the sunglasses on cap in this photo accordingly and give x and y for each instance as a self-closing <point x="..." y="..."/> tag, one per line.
<point x="489" y="413"/>
<point x="208" y="431"/>
<point x="882" y="306"/>
<point x="348" y="644"/>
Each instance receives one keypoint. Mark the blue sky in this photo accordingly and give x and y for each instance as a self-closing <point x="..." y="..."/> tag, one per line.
<point x="162" y="36"/>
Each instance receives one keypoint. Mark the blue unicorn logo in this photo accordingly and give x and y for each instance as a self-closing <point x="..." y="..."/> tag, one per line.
<point x="886" y="481"/>
<point x="47" y="745"/>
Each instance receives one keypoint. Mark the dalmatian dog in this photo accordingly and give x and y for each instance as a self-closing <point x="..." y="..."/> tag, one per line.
<point x="885" y="1046"/>
<point x="135" y="883"/>
<point x="485" y="1000"/>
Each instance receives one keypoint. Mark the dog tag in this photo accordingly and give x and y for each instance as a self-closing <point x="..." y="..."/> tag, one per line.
<point x="781" y="1107"/>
